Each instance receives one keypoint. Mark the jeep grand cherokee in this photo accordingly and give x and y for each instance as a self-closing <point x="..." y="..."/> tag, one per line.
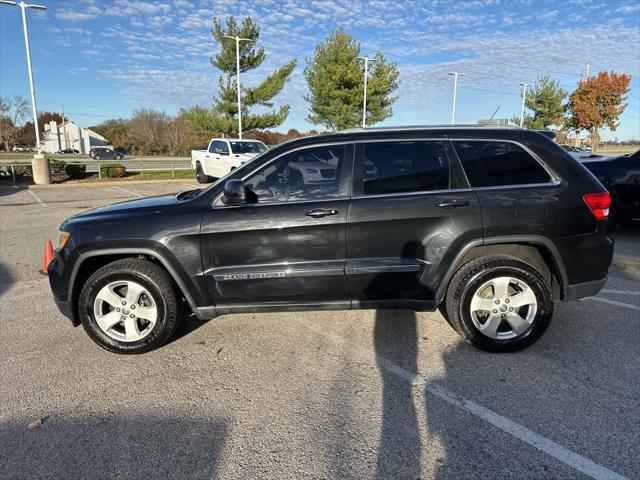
<point x="490" y="225"/>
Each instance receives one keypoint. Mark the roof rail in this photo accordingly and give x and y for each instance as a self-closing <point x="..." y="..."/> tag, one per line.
<point x="429" y="127"/>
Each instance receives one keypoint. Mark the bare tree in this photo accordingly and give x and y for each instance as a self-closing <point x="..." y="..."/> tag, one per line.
<point x="174" y="136"/>
<point x="147" y="127"/>
<point x="12" y="113"/>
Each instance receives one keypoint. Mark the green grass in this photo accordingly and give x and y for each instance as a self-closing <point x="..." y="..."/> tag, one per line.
<point x="145" y="175"/>
<point x="613" y="150"/>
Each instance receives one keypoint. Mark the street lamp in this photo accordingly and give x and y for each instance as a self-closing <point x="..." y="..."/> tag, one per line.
<point x="366" y="61"/>
<point x="455" y="92"/>
<point x="524" y="96"/>
<point x="41" y="172"/>
<point x="238" y="40"/>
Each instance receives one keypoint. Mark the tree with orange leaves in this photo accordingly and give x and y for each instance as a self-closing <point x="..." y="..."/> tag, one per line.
<point x="597" y="102"/>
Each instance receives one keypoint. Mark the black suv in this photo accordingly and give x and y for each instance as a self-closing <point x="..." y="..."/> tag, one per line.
<point x="106" y="153"/>
<point x="490" y="225"/>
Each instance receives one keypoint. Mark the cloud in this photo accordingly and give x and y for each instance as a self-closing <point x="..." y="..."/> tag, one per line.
<point x="75" y="16"/>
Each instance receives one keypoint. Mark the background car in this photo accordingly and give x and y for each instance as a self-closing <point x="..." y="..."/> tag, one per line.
<point x="21" y="148"/>
<point x="621" y="176"/>
<point x="68" y="151"/>
<point x="106" y="153"/>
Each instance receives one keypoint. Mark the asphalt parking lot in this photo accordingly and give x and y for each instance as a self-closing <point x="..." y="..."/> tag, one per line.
<point x="351" y="394"/>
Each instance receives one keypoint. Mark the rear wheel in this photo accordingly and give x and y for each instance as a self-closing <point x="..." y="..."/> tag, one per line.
<point x="499" y="304"/>
<point x="200" y="175"/>
<point x="129" y="306"/>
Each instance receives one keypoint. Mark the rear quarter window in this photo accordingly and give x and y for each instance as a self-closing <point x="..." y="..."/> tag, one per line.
<point x="495" y="163"/>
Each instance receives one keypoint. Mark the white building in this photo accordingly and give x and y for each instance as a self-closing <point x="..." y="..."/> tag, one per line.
<point x="69" y="135"/>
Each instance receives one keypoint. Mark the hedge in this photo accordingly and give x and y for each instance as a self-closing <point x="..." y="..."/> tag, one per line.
<point x="75" y="171"/>
<point x="112" y="171"/>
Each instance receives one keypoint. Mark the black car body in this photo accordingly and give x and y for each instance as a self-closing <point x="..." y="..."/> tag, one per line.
<point x="621" y="176"/>
<point x="106" y="153"/>
<point x="69" y="151"/>
<point x="408" y="218"/>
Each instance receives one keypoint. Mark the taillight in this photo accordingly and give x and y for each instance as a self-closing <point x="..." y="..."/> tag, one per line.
<point x="599" y="204"/>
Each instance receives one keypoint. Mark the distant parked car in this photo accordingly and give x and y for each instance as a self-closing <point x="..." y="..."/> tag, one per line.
<point x="69" y="151"/>
<point x="105" y="153"/>
<point x="621" y="176"/>
<point x="21" y="148"/>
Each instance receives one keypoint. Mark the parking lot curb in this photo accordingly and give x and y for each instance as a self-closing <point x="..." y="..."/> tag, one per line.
<point x="88" y="184"/>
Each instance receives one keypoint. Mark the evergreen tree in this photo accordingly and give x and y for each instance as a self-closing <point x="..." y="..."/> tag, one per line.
<point x="223" y="117"/>
<point x="335" y="80"/>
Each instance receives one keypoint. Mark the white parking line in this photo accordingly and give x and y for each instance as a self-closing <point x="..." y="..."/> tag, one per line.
<point x="42" y="204"/>
<point x="620" y="292"/>
<point x="613" y="302"/>
<point x="127" y="191"/>
<point x="546" y="445"/>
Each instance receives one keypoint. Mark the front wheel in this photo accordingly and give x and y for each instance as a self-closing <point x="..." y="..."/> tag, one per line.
<point x="129" y="306"/>
<point x="499" y="304"/>
<point x="97" y="157"/>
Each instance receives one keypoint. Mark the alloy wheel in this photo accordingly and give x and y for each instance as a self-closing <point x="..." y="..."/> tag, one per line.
<point x="125" y="311"/>
<point x="503" y="308"/>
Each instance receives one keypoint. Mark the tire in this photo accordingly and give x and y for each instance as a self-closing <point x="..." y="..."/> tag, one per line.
<point x="97" y="157"/>
<point x="118" y="157"/>
<point x="152" y="290"/>
<point x="200" y="176"/>
<point x="499" y="328"/>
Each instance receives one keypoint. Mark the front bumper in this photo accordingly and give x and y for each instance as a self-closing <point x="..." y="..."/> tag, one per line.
<point x="583" y="290"/>
<point x="57" y="272"/>
<point x="66" y="308"/>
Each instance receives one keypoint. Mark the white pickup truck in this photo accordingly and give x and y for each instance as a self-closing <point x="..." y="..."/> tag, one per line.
<point x="222" y="156"/>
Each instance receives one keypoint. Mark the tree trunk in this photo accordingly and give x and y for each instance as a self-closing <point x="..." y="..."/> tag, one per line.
<point x="595" y="139"/>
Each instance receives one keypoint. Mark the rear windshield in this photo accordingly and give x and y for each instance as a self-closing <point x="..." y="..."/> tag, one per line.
<point x="248" y="147"/>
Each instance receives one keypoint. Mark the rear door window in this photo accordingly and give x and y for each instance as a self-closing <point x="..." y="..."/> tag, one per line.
<point x="495" y="164"/>
<point x="403" y="167"/>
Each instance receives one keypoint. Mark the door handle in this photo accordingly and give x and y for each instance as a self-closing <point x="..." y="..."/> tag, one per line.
<point x="320" y="212"/>
<point x="452" y="203"/>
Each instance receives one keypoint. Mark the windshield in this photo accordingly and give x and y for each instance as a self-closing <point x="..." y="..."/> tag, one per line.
<point x="248" y="147"/>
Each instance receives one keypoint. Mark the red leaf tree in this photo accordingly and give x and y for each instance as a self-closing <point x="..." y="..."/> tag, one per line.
<point x="597" y="102"/>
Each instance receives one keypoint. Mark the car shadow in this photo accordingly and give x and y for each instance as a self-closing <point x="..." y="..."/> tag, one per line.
<point x="6" y="278"/>
<point x="189" y="323"/>
<point x="395" y="340"/>
<point x="109" y="445"/>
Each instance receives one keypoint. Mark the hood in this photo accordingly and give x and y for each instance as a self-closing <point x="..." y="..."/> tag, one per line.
<point x="148" y="205"/>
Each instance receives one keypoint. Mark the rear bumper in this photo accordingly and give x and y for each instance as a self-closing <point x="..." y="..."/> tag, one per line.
<point x="583" y="290"/>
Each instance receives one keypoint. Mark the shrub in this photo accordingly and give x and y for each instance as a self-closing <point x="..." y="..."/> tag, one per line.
<point x="75" y="171"/>
<point x="57" y="166"/>
<point x="22" y="170"/>
<point x="112" y="171"/>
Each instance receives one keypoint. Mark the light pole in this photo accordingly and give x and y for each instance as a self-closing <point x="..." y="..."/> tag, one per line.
<point x="40" y="165"/>
<point x="238" y="40"/>
<point x="23" y="6"/>
<point x="455" y="92"/>
<point x="366" y="60"/>
<point x="524" y="96"/>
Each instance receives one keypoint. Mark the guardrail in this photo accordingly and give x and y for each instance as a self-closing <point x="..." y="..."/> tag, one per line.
<point x="135" y="164"/>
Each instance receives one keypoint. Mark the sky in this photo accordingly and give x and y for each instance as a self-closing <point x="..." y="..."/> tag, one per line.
<point x="103" y="59"/>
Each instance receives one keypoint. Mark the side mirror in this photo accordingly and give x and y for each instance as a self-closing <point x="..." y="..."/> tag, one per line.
<point x="234" y="193"/>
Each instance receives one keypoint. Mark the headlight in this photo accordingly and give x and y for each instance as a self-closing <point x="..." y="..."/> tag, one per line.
<point x="63" y="239"/>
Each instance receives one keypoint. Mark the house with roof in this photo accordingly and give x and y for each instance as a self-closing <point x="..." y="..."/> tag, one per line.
<point x="58" y="137"/>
